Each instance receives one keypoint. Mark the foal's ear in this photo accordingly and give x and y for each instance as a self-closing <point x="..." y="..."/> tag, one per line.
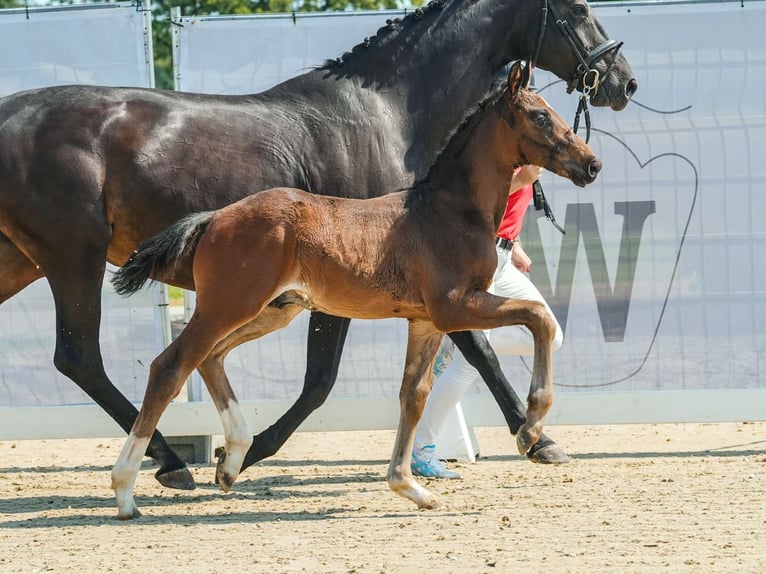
<point x="518" y="77"/>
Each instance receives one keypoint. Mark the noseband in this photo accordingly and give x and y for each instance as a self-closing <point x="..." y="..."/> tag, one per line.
<point x="586" y="73"/>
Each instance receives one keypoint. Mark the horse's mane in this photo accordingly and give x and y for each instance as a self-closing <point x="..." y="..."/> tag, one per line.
<point x="385" y="33"/>
<point x="420" y="190"/>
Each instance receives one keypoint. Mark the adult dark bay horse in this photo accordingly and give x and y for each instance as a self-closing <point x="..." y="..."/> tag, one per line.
<point x="390" y="256"/>
<point x="87" y="173"/>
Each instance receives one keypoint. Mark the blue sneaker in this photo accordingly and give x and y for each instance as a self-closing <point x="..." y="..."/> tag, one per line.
<point x="426" y="463"/>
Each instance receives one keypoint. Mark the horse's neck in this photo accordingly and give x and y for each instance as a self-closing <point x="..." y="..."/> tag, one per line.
<point x="443" y="65"/>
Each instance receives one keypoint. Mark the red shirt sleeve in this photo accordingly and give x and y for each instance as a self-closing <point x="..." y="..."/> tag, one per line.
<point x="510" y="226"/>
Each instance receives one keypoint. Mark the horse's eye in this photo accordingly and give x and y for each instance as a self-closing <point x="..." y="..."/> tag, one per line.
<point x="541" y="120"/>
<point x="579" y="10"/>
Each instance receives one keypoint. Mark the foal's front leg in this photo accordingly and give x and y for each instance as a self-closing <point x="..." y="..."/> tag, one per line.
<point x="422" y="344"/>
<point x="482" y="310"/>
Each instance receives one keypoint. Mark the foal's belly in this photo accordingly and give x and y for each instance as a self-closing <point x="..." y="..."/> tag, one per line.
<point x="355" y="304"/>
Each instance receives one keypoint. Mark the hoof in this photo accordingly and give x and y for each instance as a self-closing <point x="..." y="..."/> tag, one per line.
<point x="130" y="516"/>
<point x="548" y="454"/>
<point x="180" y="479"/>
<point x="524" y="442"/>
<point x="433" y="505"/>
<point x="222" y="478"/>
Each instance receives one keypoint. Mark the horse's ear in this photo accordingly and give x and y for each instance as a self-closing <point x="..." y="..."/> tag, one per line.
<point x="516" y="79"/>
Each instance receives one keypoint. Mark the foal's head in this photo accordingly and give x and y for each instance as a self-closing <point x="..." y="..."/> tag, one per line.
<point x="540" y="136"/>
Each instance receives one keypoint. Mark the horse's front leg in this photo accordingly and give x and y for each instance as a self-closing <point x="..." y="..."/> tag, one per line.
<point x="422" y="344"/>
<point x="478" y="352"/>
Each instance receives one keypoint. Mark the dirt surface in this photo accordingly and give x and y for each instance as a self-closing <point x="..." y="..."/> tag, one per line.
<point x="654" y="498"/>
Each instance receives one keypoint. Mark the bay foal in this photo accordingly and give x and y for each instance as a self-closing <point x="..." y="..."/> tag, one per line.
<point x="426" y="254"/>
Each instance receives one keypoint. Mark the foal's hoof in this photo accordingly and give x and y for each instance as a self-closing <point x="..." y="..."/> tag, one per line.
<point x="433" y="505"/>
<point x="524" y="442"/>
<point x="550" y="453"/>
<point x="223" y="479"/>
<point x="180" y="479"/>
<point x="130" y="516"/>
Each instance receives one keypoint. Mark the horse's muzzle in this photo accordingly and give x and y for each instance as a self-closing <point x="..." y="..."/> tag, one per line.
<point x="594" y="167"/>
<point x="584" y="173"/>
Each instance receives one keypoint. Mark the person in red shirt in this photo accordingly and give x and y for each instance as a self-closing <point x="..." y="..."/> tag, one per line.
<point x="510" y="280"/>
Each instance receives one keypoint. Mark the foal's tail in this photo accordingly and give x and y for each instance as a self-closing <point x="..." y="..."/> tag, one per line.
<point x="155" y="256"/>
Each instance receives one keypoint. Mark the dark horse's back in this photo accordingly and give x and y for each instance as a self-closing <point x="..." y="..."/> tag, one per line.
<point x="140" y="159"/>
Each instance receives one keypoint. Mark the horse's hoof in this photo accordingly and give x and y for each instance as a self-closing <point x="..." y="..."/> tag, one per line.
<point x="548" y="454"/>
<point x="180" y="479"/>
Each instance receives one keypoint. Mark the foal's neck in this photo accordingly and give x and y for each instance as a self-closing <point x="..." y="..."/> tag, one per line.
<point x="473" y="173"/>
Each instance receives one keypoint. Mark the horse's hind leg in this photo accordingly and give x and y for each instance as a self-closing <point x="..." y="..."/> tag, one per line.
<point x="422" y="343"/>
<point x="212" y="320"/>
<point x="16" y="269"/>
<point x="478" y="352"/>
<point x="78" y="354"/>
<point x="76" y="287"/>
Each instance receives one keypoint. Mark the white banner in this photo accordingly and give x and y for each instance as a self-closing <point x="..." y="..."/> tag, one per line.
<point x="91" y="44"/>
<point x="660" y="281"/>
<point x="96" y="44"/>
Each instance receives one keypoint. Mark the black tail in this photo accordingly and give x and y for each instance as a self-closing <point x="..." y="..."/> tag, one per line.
<point x="160" y="253"/>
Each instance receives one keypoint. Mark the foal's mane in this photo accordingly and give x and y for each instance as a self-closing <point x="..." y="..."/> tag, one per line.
<point x="386" y="33"/>
<point x="419" y="193"/>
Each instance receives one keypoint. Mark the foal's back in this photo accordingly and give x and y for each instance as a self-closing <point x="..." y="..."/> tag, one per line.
<point x="348" y="257"/>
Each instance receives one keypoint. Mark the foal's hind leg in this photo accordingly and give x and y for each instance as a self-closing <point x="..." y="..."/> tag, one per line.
<point x="478" y="352"/>
<point x="166" y="377"/>
<point x="326" y="336"/>
<point x="213" y="374"/>
<point x="422" y="344"/>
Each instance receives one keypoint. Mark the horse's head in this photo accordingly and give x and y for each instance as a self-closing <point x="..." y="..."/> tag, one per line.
<point x="573" y="45"/>
<point x="541" y="136"/>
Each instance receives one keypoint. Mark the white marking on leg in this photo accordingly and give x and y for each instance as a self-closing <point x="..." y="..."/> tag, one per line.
<point x="238" y="437"/>
<point x="124" y="475"/>
<point x="403" y="484"/>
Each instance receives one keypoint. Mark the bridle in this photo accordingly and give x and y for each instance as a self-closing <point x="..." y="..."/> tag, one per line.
<point x="586" y="74"/>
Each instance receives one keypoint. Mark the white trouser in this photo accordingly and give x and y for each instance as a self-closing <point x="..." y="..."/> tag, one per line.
<point x="459" y="375"/>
